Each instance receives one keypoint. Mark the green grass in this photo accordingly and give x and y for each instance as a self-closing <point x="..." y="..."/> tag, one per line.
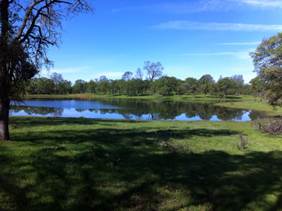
<point x="240" y="102"/>
<point x="249" y="102"/>
<point x="80" y="164"/>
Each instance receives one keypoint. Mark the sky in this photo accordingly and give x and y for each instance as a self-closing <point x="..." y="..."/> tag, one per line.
<point x="189" y="37"/>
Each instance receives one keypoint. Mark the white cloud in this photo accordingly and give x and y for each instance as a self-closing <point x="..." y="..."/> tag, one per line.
<point x="108" y="74"/>
<point x="83" y="72"/>
<point x="213" y="26"/>
<point x="246" y="71"/>
<point x="238" y="54"/>
<point x="263" y="3"/>
<point x="239" y="43"/>
<point x="66" y="70"/>
<point x="182" y="7"/>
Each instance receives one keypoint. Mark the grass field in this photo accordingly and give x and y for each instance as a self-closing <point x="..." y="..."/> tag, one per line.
<point x="80" y="164"/>
<point x="240" y="102"/>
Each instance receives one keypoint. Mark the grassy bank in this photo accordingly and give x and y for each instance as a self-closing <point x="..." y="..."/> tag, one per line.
<point x="80" y="164"/>
<point x="240" y="102"/>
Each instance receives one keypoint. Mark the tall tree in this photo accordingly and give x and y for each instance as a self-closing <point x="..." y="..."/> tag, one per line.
<point x="206" y="84"/>
<point x="139" y="74"/>
<point x="127" y="76"/>
<point x="154" y="70"/>
<point x="27" y="30"/>
<point x="268" y="64"/>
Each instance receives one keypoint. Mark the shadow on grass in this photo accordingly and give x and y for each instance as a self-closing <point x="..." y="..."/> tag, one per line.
<point x="107" y="169"/>
<point x="20" y="122"/>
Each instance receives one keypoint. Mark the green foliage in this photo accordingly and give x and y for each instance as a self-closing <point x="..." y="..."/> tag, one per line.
<point x="257" y="86"/>
<point x="272" y="79"/>
<point x="268" y="63"/>
<point x="165" y="86"/>
<point x="91" y="86"/>
<point x="79" y="86"/>
<point x="16" y="69"/>
<point x="190" y="86"/>
<point x="206" y="84"/>
<point x="41" y="86"/>
<point x="226" y="86"/>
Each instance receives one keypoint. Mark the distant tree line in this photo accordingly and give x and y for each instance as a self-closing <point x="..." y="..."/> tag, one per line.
<point x="148" y="82"/>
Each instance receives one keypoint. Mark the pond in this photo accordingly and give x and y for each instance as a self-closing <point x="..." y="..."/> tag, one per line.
<point x="121" y="109"/>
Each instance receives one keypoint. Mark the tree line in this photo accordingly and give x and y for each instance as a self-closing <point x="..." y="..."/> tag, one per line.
<point x="150" y="81"/>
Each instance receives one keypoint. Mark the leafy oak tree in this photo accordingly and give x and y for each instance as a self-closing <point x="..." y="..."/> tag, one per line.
<point x="268" y="64"/>
<point x="206" y="84"/>
<point x="226" y="86"/>
<point x="27" y="29"/>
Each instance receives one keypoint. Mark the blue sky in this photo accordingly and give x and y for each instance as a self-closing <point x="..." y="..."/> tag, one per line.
<point x="189" y="37"/>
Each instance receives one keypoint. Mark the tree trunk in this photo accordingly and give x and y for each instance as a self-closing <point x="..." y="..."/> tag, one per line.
<point x="4" y="119"/>
<point x="4" y="77"/>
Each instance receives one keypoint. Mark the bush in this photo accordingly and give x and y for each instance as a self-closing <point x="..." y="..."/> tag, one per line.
<point x="271" y="125"/>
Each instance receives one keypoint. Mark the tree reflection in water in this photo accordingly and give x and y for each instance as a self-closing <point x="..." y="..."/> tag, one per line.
<point x="138" y="110"/>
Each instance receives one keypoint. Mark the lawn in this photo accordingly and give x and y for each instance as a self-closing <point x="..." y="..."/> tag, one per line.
<point x="80" y="164"/>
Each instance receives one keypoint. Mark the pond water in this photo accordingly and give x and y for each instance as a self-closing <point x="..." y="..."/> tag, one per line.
<point x="119" y="109"/>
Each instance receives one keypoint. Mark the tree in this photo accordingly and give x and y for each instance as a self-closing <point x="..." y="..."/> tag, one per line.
<point x="103" y="78"/>
<point x="28" y="28"/>
<point x="272" y="81"/>
<point x="257" y="86"/>
<point x="154" y="70"/>
<point x="268" y="64"/>
<point x="58" y="82"/>
<point x="80" y="86"/>
<point x="226" y="86"/>
<point x="91" y="86"/>
<point x="166" y="86"/>
<point x="190" y="85"/>
<point x="41" y="86"/>
<point x="239" y="80"/>
<point x="139" y="74"/>
<point x="103" y="86"/>
<point x="127" y="76"/>
<point x="206" y="84"/>
<point x="57" y="78"/>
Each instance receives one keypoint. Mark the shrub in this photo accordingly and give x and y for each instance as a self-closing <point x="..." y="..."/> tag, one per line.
<point x="271" y="125"/>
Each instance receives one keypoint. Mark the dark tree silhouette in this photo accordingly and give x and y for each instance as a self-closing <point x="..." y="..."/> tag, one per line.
<point x="154" y="70"/>
<point x="139" y="74"/>
<point x="28" y="28"/>
<point x="127" y="76"/>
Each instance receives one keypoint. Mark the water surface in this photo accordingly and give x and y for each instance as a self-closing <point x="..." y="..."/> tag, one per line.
<point x="123" y="109"/>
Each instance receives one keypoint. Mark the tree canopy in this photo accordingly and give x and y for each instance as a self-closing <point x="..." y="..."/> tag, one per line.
<point x="268" y="64"/>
